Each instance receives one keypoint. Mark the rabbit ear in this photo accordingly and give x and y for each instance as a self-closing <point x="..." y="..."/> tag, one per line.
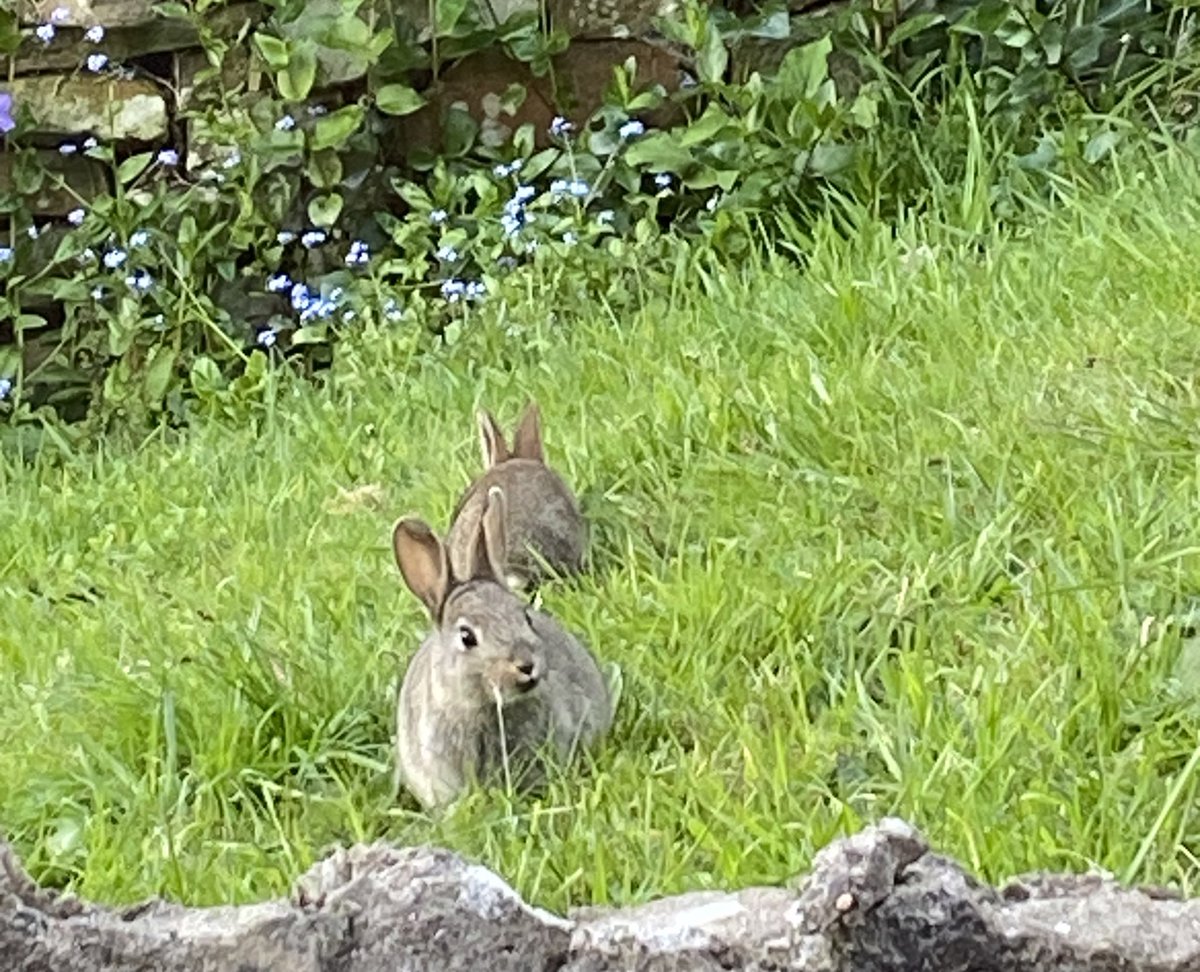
<point x="487" y="556"/>
<point x="527" y="440"/>
<point x="422" y="561"/>
<point x="491" y="439"/>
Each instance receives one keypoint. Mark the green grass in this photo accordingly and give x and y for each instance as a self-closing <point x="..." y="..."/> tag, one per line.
<point x="885" y="536"/>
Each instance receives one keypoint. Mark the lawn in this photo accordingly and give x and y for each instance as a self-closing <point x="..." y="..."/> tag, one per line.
<point x="912" y="530"/>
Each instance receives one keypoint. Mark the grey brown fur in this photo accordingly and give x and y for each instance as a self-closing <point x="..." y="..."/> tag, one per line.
<point x="488" y="648"/>
<point x="543" y="520"/>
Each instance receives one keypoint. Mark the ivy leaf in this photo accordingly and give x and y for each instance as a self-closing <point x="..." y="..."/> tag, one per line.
<point x="332" y="130"/>
<point x="398" y="99"/>
<point x="273" y="50"/>
<point x="296" y="80"/>
<point x="459" y="133"/>
<point x="325" y="210"/>
<point x="447" y="14"/>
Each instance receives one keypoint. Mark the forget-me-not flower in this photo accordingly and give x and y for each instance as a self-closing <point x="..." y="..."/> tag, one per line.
<point x="6" y="119"/>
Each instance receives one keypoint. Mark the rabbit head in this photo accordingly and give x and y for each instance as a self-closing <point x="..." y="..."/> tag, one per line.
<point x="485" y="642"/>
<point x="527" y="439"/>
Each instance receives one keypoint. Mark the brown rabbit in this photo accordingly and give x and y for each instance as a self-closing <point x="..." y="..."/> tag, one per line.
<point x="544" y="519"/>
<point x="496" y="686"/>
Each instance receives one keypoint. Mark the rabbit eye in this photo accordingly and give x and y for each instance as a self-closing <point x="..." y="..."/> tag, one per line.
<point x="466" y="637"/>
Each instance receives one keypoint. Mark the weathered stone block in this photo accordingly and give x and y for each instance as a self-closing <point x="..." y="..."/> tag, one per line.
<point x="109" y="108"/>
<point x="71" y="178"/>
<point x="85" y="13"/>
<point x="70" y="48"/>
<point x="582" y="72"/>
<point x="878" y="901"/>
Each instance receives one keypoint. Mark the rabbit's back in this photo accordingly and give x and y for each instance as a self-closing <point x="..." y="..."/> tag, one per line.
<point x="542" y="514"/>
<point x="578" y="695"/>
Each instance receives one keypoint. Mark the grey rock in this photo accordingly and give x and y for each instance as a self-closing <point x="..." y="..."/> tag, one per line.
<point x="877" y="901"/>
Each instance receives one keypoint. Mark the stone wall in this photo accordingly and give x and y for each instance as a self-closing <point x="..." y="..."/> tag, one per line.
<point x="878" y="901"/>
<point x="120" y="72"/>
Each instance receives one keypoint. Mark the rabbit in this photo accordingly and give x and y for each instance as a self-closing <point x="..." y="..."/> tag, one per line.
<point x="494" y="678"/>
<point x="544" y="519"/>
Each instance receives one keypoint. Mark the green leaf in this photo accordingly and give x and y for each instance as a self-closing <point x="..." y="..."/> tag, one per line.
<point x="705" y="128"/>
<point x="459" y="133"/>
<point x="296" y="80"/>
<point x="312" y="334"/>
<point x="332" y="130"/>
<point x="324" y="168"/>
<point x="398" y="99"/>
<point x="713" y="58"/>
<point x="133" y="167"/>
<point x="159" y="371"/>
<point x="805" y="69"/>
<point x="206" y="377"/>
<point x="325" y="210"/>
<point x="447" y="14"/>
<point x="273" y="50"/>
<point x="658" y="152"/>
<point x="916" y="24"/>
<point x="1100" y="145"/>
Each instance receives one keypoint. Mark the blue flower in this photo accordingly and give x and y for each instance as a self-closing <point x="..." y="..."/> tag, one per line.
<point x="89" y="143"/>
<point x="75" y="217"/>
<point x="359" y="254"/>
<point x="114" y="258"/>
<point x="605" y="216"/>
<point x="6" y="254"/>
<point x="573" y="187"/>
<point x="95" y="34"/>
<point x="278" y="283"/>
<point x="59" y="14"/>
<point x="96" y="62"/>
<point x="68" y="148"/>
<point x="284" y="237"/>
<point x="447" y="253"/>
<point x="232" y="159"/>
<point x="391" y="310"/>
<point x="560" y="126"/>
<point x="570" y="238"/>
<point x="140" y="281"/>
<point x="313" y="238"/>
<point x="168" y="157"/>
<point x="6" y="386"/>
<point x="286" y="123"/>
<point x="349" y="315"/>
<point x="97" y="293"/>
<point x="300" y="297"/>
<point x="631" y="129"/>
<point x="663" y="179"/>
<point x="267" y="338"/>
<point x="139" y="238"/>
<point x="437" y="217"/>
<point x="87" y="256"/>
<point x="45" y="33"/>
<point x="452" y="290"/>
<point x="523" y="194"/>
<point x="513" y="222"/>
<point x="6" y="119"/>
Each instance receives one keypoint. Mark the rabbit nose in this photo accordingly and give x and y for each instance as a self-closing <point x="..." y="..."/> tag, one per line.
<point x="526" y="668"/>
